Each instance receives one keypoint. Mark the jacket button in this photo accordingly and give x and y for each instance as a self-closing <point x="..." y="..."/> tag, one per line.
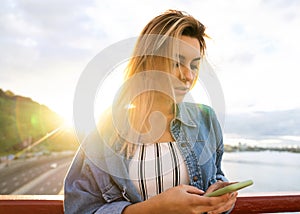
<point x="195" y="178"/>
<point x="183" y="144"/>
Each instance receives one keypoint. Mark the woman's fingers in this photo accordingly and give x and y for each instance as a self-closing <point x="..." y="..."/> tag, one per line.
<point x="227" y="205"/>
<point x="193" y="190"/>
<point x="217" y="185"/>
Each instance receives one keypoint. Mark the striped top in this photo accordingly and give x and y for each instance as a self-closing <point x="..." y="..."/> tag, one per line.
<point x="156" y="168"/>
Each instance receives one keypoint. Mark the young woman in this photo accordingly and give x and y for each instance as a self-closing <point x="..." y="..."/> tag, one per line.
<point x="152" y="152"/>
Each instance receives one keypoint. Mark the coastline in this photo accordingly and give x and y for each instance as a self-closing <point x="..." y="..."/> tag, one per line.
<point x="254" y="148"/>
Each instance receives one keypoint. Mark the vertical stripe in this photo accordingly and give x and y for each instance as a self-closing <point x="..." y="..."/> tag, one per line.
<point x="158" y="167"/>
<point x="175" y="163"/>
<point x="141" y="168"/>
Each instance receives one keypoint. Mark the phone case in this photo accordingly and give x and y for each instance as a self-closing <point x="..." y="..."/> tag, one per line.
<point x="230" y="188"/>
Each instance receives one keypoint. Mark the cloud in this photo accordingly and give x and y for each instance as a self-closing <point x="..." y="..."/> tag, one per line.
<point x="261" y="125"/>
<point x="42" y="51"/>
<point x="255" y="44"/>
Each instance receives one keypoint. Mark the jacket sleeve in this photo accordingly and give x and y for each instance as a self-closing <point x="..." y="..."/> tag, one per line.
<point x="219" y="146"/>
<point x="220" y="150"/>
<point x="88" y="189"/>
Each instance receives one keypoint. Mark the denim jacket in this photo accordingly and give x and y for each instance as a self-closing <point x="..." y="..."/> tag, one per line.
<point x="98" y="179"/>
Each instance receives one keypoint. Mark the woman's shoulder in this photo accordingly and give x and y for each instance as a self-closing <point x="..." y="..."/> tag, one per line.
<point x="203" y="109"/>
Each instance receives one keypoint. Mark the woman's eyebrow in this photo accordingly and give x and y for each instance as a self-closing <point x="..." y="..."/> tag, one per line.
<point x="182" y="58"/>
<point x="196" y="59"/>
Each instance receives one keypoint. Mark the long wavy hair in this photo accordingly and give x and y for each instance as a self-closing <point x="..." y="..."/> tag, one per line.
<point x="154" y="49"/>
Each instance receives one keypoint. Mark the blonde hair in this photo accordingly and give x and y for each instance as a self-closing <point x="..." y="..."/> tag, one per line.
<point x="153" y="51"/>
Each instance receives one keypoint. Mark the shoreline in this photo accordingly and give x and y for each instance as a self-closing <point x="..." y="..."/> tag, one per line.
<point x="249" y="148"/>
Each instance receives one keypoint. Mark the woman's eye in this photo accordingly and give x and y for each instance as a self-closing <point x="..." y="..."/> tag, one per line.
<point x="194" y="67"/>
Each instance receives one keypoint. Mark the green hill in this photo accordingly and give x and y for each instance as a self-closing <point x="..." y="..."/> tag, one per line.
<point x="24" y="121"/>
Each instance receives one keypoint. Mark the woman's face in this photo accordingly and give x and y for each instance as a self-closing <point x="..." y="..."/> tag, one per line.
<point x="186" y="66"/>
<point x="177" y="82"/>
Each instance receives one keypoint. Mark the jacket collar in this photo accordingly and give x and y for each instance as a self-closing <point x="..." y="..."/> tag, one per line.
<point x="183" y="115"/>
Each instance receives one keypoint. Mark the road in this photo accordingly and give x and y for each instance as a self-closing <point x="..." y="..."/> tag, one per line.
<point x="42" y="175"/>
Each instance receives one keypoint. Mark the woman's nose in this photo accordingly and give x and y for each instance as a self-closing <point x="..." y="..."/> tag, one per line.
<point x="187" y="74"/>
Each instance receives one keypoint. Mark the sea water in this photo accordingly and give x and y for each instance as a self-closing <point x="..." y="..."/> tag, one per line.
<point x="271" y="171"/>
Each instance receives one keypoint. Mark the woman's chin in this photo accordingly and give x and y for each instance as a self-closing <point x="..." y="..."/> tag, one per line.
<point x="179" y="98"/>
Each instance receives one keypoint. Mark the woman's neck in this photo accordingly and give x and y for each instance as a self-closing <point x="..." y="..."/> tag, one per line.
<point x="163" y="105"/>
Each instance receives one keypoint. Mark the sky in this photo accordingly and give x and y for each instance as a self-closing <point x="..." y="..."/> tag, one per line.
<point x="254" y="49"/>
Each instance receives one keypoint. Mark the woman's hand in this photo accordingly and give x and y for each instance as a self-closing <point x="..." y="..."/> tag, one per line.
<point x="232" y="196"/>
<point x="183" y="199"/>
<point x="218" y="185"/>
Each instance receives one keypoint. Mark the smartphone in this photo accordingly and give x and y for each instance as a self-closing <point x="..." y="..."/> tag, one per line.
<point x="229" y="188"/>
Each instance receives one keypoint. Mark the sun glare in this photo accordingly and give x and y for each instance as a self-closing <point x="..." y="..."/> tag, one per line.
<point x="107" y="90"/>
<point x="68" y="122"/>
<point x="105" y="97"/>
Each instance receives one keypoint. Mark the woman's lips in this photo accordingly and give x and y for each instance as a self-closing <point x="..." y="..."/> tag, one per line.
<point x="181" y="90"/>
